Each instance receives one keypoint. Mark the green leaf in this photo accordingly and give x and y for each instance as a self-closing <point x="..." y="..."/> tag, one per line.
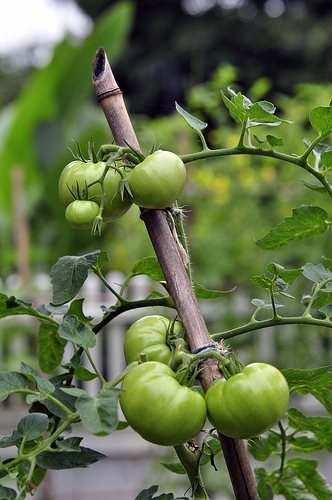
<point x="306" y="471"/>
<point x="79" y="333"/>
<point x="76" y="309"/>
<point x="316" y="273"/>
<point x="150" y="267"/>
<point x="235" y="108"/>
<point x="8" y="441"/>
<point x="42" y="384"/>
<point x="305" y="221"/>
<point x="192" y="121"/>
<point x="203" y="293"/>
<point x="326" y="159"/>
<point x="321" y="119"/>
<point x="175" y="467"/>
<point x="288" y="275"/>
<point x="100" y="414"/>
<point x="305" y="444"/>
<point x="32" y="426"/>
<point x="7" y="493"/>
<point x="11" y="382"/>
<point x="264" y="446"/>
<point x="315" y="381"/>
<point x="292" y="487"/>
<point x="50" y="347"/>
<point x="69" y="274"/>
<point x="11" y="306"/>
<point x="274" y="141"/>
<point x="70" y="444"/>
<point x="148" y="495"/>
<point x="266" y="304"/>
<point x="59" y="460"/>
<point x="320" y="427"/>
<point x="264" y="487"/>
<point x="82" y="373"/>
<point x="262" y="281"/>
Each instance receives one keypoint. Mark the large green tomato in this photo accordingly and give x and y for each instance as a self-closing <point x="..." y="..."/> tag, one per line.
<point x="158" y="181"/>
<point x="78" y="173"/>
<point x="82" y="213"/>
<point x="150" y="335"/>
<point x="160" y="409"/>
<point x="248" y="403"/>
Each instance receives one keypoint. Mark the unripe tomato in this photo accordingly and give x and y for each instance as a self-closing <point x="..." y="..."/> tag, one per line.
<point x="160" y="409"/>
<point x="158" y="181"/>
<point x="248" y="403"/>
<point x="79" y="173"/>
<point x="82" y="213"/>
<point x="149" y="335"/>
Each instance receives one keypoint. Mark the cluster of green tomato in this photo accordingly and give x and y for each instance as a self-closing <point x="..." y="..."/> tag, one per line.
<point x="167" y="413"/>
<point x="155" y="183"/>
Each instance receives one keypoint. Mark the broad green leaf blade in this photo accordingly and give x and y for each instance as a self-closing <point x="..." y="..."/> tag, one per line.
<point x="237" y="112"/>
<point x="100" y="414"/>
<point x="203" y="293"/>
<point x="292" y="488"/>
<point x="320" y="427"/>
<point x="321" y="119"/>
<point x="326" y="159"/>
<point x="79" y="333"/>
<point x="150" y="267"/>
<point x="192" y="121"/>
<point x="7" y="441"/>
<point x="315" y="381"/>
<point x="59" y="460"/>
<point x="306" y="471"/>
<point x="305" y="221"/>
<point x="42" y="384"/>
<point x="305" y="444"/>
<point x="317" y="273"/>
<point x="264" y="487"/>
<point x="288" y="275"/>
<point x="69" y="274"/>
<point x="50" y="347"/>
<point x="11" y="382"/>
<point x="32" y="426"/>
<point x="262" y="281"/>
<point x="76" y="309"/>
<point x="11" y="306"/>
<point x="70" y="444"/>
<point x="274" y="141"/>
<point x="82" y="373"/>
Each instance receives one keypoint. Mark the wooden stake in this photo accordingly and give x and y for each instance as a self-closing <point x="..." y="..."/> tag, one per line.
<point x="111" y="100"/>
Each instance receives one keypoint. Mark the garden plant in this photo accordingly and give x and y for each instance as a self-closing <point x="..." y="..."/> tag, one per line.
<point x="182" y="386"/>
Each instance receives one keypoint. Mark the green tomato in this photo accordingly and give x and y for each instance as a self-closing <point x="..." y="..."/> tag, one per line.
<point x="161" y="410"/>
<point x="78" y="173"/>
<point x="158" y="181"/>
<point x="150" y="335"/>
<point x="248" y="403"/>
<point x="82" y="213"/>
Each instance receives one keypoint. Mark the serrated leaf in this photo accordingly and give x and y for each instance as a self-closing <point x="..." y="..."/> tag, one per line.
<point x="32" y="426"/>
<point x="305" y="221"/>
<point x="315" y="381"/>
<point x="292" y="487"/>
<point x="150" y="267"/>
<point x="11" y="382"/>
<point x="59" y="460"/>
<point x="79" y="333"/>
<point x="321" y="119"/>
<point x="316" y="273"/>
<point x="50" y="347"/>
<point x="99" y="414"/>
<point x="305" y="444"/>
<point x="203" y="293"/>
<point x="192" y="121"/>
<point x="320" y="427"/>
<point x="69" y="274"/>
<point x="306" y="471"/>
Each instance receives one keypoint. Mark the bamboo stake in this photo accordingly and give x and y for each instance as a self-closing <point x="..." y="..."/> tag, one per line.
<point x="111" y="100"/>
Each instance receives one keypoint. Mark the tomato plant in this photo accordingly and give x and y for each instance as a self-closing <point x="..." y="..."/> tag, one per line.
<point x="158" y="181"/>
<point x="77" y="175"/>
<point x="154" y="336"/>
<point x="160" y="409"/>
<point x="81" y="213"/>
<point x="248" y="403"/>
